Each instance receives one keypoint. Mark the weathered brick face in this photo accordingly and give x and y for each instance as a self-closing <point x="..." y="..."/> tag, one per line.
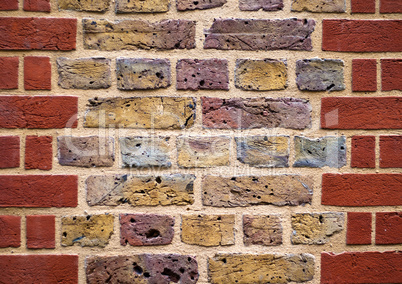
<point x="200" y="141"/>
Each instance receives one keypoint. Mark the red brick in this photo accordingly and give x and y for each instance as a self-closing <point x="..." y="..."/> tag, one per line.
<point x="362" y="35"/>
<point x="38" y="112"/>
<point x="38" y="190"/>
<point x="9" y="152"/>
<point x="37" y="73"/>
<point x="363" y="152"/>
<point x="390" y="6"/>
<point x="40" y="231"/>
<point x="361" y="189"/>
<point x="391" y="151"/>
<point x="391" y="74"/>
<point x="37" y="33"/>
<point x="9" y="72"/>
<point x="37" y="5"/>
<point x="10" y="231"/>
<point x="361" y="113"/>
<point x="364" y="75"/>
<point x="8" y="5"/>
<point x="361" y="267"/>
<point x="359" y="228"/>
<point x="39" y="269"/>
<point x="388" y="228"/>
<point x="38" y="152"/>
<point x="363" y="6"/>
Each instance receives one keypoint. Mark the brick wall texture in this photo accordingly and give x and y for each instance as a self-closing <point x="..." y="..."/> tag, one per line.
<point x="207" y="141"/>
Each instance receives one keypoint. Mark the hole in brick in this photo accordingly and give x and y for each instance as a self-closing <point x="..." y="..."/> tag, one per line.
<point x="171" y="275"/>
<point x="132" y="220"/>
<point x="321" y="219"/>
<point x="181" y="270"/>
<point x="219" y="218"/>
<point x="88" y="217"/>
<point x="64" y="234"/>
<point x="147" y="275"/>
<point x="158" y="179"/>
<point x="195" y="2"/>
<point x="202" y="82"/>
<point x="224" y="260"/>
<point x="137" y="269"/>
<point x="152" y="234"/>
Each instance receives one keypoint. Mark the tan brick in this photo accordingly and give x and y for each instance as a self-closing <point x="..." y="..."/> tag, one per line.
<point x="262" y="230"/>
<point x="94" y="230"/>
<point x="141" y="112"/>
<point x="203" y="151"/>
<point x="319" y="6"/>
<point x="263" y="151"/>
<point x="142" y="6"/>
<point x="184" y="5"/>
<point x="315" y="228"/>
<point x="252" y="190"/>
<point x="261" y="75"/>
<point x="112" y="190"/>
<point x="263" y="268"/>
<point x="208" y="230"/>
<point x="84" y="5"/>
<point x="138" y="34"/>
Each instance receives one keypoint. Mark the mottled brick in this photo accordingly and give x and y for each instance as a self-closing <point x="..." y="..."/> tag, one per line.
<point x="244" y="191"/>
<point x="363" y="152"/>
<point x="8" y="5"/>
<point x="84" y="5"/>
<point x="261" y="75"/>
<point x="145" y="151"/>
<point x="141" y="6"/>
<point x="209" y="74"/>
<point x="91" y="151"/>
<point x="321" y="152"/>
<point x="255" y="5"/>
<point x="142" y="73"/>
<point x="261" y="268"/>
<point x="185" y="5"/>
<point x="38" y="152"/>
<point x="391" y="151"/>
<point x="391" y="74"/>
<point x="9" y="152"/>
<point x="315" y="228"/>
<point x="263" y="230"/>
<point x="138" y="34"/>
<point x="143" y="268"/>
<point x="319" y="75"/>
<point x="9" y="73"/>
<point x="358" y="228"/>
<point x="37" y="73"/>
<point x="208" y="230"/>
<point x="141" y="112"/>
<point x="363" y="6"/>
<point x="203" y="151"/>
<point x="10" y="231"/>
<point x="37" y="5"/>
<point x="151" y="190"/>
<point x="90" y="230"/>
<point x="84" y="73"/>
<point x="364" y="75"/>
<point x="388" y="228"/>
<point x="146" y="229"/>
<point x="260" y="34"/>
<point x="390" y="6"/>
<point x="41" y="231"/>
<point x="319" y="6"/>
<point x="247" y="113"/>
<point x="263" y="151"/>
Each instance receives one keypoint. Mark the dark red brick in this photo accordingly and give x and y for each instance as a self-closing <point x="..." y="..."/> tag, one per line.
<point x="364" y="75"/>
<point x="9" y="152"/>
<point x="38" y="152"/>
<point x="37" y="5"/>
<point x="8" y="5"/>
<point x="391" y="74"/>
<point x="37" y="73"/>
<point x="363" y="6"/>
<point x="38" y="112"/>
<point x="362" y="35"/>
<point x="391" y="151"/>
<point x="10" y="231"/>
<point x="39" y="269"/>
<point x="390" y="6"/>
<point x="363" y="152"/>
<point x="9" y="72"/>
<point x="37" y="33"/>
<point x="362" y="189"/>
<point x="361" y="113"/>
<point x="361" y="267"/>
<point x="40" y="231"/>
<point x="38" y="191"/>
<point x="388" y="228"/>
<point x="359" y="228"/>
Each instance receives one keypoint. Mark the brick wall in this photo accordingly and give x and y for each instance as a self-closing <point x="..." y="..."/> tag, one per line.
<point x="220" y="141"/>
